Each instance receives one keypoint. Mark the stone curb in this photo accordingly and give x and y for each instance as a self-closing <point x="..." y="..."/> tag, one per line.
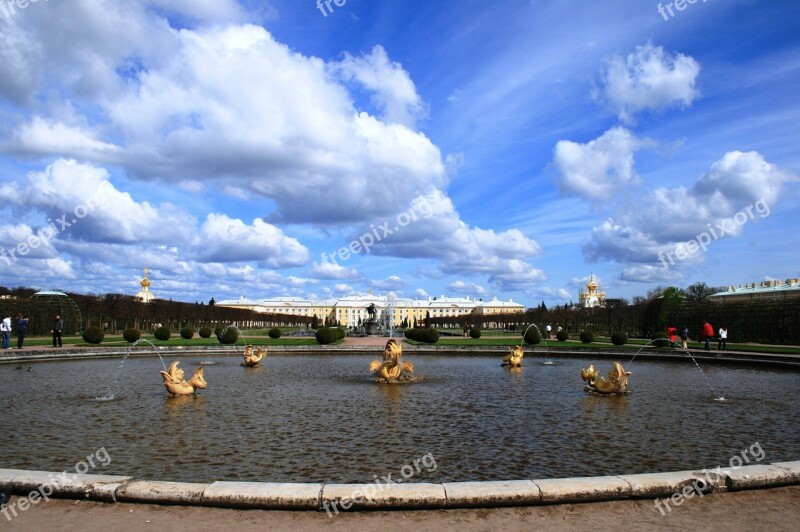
<point x="334" y="498"/>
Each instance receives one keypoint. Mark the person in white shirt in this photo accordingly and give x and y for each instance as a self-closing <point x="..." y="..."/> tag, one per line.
<point x="5" y="328"/>
<point x="723" y="339"/>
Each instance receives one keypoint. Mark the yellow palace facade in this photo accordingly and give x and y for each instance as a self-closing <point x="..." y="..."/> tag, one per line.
<point x="353" y="310"/>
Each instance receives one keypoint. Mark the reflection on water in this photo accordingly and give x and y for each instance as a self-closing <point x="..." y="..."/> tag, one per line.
<point x="313" y="418"/>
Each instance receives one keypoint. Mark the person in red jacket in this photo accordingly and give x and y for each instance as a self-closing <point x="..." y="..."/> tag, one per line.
<point x="708" y="334"/>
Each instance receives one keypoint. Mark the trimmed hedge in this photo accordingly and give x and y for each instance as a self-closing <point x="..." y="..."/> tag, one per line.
<point x="326" y="335"/>
<point x="274" y="333"/>
<point x="619" y="338"/>
<point x="205" y="332"/>
<point x="132" y="335"/>
<point x="532" y="336"/>
<point x="228" y="335"/>
<point x="162" y="333"/>
<point x="187" y="333"/>
<point x="475" y="333"/>
<point x="587" y="337"/>
<point x="429" y="336"/>
<point x="562" y="336"/>
<point x="93" y="335"/>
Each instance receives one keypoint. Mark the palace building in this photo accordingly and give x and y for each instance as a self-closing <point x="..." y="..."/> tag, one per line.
<point x="351" y="310"/>
<point x="774" y="290"/>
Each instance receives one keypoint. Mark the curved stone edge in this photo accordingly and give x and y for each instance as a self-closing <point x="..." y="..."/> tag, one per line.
<point x="336" y="498"/>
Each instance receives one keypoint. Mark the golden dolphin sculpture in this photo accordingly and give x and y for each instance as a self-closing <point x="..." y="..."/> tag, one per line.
<point x="514" y="358"/>
<point x="173" y="380"/>
<point x="617" y="380"/>
<point x="252" y="360"/>
<point x="391" y="369"/>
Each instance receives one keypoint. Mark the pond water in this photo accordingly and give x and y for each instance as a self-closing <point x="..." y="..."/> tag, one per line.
<point x="311" y="418"/>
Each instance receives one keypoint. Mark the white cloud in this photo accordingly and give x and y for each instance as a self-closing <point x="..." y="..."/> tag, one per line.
<point x="40" y="136"/>
<point x="223" y="239"/>
<point x="472" y="289"/>
<point x="650" y="79"/>
<point x="393" y="282"/>
<point x="329" y="270"/>
<point x="595" y="169"/>
<point x="392" y="88"/>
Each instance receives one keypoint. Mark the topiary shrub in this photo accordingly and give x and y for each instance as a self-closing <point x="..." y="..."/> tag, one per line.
<point x="532" y="336"/>
<point x="587" y="337"/>
<point x="132" y="335"/>
<point x="562" y="336"/>
<point x="340" y="333"/>
<point x="217" y="332"/>
<point x="475" y="333"/>
<point x="274" y="333"/>
<point x="429" y="336"/>
<point x="187" y="333"/>
<point x="93" y="335"/>
<point x="162" y="333"/>
<point x="661" y="340"/>
<point x="326" y="335"/>
<point x="619" y="338"/>
<point x="228" y="336"/>
<point x="205" y="332"/>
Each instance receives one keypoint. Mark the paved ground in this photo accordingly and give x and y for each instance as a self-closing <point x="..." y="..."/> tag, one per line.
<point x="769" y="510"/>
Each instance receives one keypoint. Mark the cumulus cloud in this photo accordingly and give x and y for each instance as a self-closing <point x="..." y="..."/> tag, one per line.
<point x="459" y="248"/>
<point x="393" y="91"/>
<point x="391" y="283"/>
<point x="41" y="136"/>
<point x="329" y="270"/>
<point x="593" y="170"/>
<point x="223" y="239"/>
<point x="650" y="78"/>
<point x="738" y="188"/>
<point x="472" y="289"/>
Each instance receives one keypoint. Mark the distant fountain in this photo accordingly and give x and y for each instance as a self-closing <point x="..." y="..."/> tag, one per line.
<point x="617" y="383"/>
<point x="514" y="358"/>
<point x="110" y="394"/>
<point x="391" y="370"/>
<point x="175" y="383"/>
<point x="656" y="341"/>
<point x="547" y="361"/>
<point x="253" y="360"/>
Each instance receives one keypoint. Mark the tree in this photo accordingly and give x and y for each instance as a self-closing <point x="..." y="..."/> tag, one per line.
<point x="315" y="322"/>
<point x="427" y="319"/>
<point x="700" y="292"/>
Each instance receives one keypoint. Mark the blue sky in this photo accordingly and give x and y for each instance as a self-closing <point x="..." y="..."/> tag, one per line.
<point x="511" y="148"/>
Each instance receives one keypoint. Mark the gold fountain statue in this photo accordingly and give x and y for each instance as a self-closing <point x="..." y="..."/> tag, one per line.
<point x="253" y="360"/>
<point x="514" y="358"/>
<point x="391" y="370"/>
<point x="617" y="382"/>
<point x="176" y="385"/>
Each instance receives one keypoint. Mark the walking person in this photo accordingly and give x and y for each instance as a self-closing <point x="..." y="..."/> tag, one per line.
<point x="708" y="334"/>
<point x="5" y="328"/>
<point x="22" y="328"/>
<point x="58" y="326"/>
<point x="722" y="345"/>
<point x="685" y="338"/>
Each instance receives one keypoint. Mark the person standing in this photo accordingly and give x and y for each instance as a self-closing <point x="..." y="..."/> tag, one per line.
<point x="685" y="338"/>
<point x="58" y="326"/>
<point x="672" y="332"/>
<point x="549" y="329"/>
<point x="722" y="345"/>
<point x="22" y="328"/>
<point x="708" y="334"/>
<point x="5" y="328"/>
